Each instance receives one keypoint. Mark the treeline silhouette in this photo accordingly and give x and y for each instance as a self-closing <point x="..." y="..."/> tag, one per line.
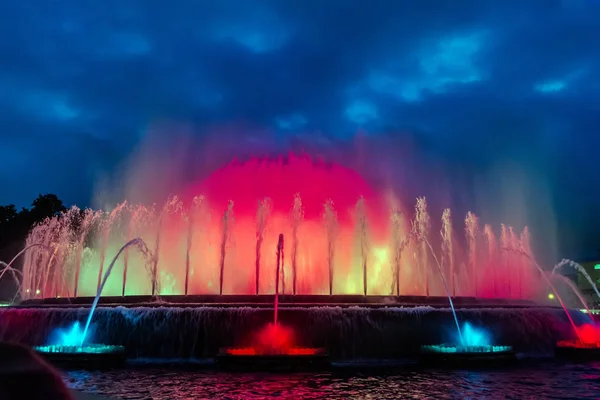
<point x="14" y="228"/>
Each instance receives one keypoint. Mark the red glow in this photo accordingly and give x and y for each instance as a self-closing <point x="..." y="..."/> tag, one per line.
<point x="279" y="181"/>
<point x="589" y="337"/>
<point x="589" y="333"/>
<point x="273" y="340"/>
<point x="294" y="351"/>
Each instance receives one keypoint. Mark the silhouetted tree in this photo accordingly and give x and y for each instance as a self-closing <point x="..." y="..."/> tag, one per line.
<point x="7" y="213"/>
<point x="46" y="205"/>
<point x="15" y="226"/>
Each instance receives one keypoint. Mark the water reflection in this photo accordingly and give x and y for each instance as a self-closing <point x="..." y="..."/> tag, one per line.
<point x="545" y="381"/>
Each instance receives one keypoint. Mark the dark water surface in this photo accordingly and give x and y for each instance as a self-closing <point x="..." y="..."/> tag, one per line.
<point x="539" y="381"/>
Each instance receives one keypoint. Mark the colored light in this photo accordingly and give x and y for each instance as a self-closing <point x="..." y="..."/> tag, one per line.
<point x="88" y="349"/>
<point x="597" y="266"/>
<point x="551" y="296"/>
<point x="474" y="336"/>
<point x="443" y="348"/>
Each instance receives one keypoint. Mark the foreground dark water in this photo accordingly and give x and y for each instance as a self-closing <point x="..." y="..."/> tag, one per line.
<point x="535" y="381"/>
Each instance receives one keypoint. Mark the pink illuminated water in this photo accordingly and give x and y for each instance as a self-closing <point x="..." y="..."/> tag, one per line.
<point x="218" y="237"/>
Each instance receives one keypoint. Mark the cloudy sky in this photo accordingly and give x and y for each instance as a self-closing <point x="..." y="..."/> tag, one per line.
<point x="483" y="87"/>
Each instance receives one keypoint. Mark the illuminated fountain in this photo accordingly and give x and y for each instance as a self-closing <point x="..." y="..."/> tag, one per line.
<point x="346" y="239"/>
<point x="273" y="346"/>
<point x="473" y="345"/>
<point x="587" y="342"/>
<point x="73" y="347"/>
<point x="348" y="244"/>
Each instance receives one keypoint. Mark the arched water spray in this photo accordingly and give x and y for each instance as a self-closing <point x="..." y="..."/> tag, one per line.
<point x="106" y="229"/>
<point x="574" y="289"/>
<point x="7" y="267"/>
<point x="139" y="243"/>
<point x="549" y="283"/>
<point x="578" y="268"/>
<point x="441" y="271"/>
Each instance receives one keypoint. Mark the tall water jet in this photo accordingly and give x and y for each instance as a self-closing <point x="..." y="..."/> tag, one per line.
<point x="139" y="243"/>
<point x="262" y="216"/>
<point x="447" y="247"/>
<point x="297" y="218"/>
<point x="396" y="223"/>
<point x="506" y="243"/>
<point x="140" y="215"/>
<point x="331" y="225"/>
<point x="515" y="265"/>
<point x="471" y="229"/>
<point x="361" y="219"/>
<point x="173" y="205"/>
<point x="321" y="238"/>
<point x="191" y="219"/>
<point x="422" y="226"/>
<point x="277" y="274"/>
<point x="491" y="253"/>
<point x="88" y="219"/>
<point x="227" y="224"/>
<point x="106" y="229"/>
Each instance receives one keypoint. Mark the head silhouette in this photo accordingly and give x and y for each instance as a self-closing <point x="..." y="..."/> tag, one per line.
<point x="24" y="375"/>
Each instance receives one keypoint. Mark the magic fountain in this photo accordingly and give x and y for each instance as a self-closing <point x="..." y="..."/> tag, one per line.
<point x="347" y="244"/>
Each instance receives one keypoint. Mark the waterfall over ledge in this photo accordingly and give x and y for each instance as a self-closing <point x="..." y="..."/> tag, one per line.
<point x="346" y="333"/>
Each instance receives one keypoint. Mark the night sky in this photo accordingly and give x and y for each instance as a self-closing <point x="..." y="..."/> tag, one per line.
<point x="485" y="105"/>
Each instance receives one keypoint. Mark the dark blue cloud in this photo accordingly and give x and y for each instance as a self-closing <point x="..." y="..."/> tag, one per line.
<point x="473" y="88"/>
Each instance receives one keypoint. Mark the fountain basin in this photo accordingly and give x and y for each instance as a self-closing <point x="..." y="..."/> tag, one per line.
<point x="91" y="356"/>
<point x="577" y="350"/>
<point x="447" y="355"/>
<point x="295" y="359"/>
